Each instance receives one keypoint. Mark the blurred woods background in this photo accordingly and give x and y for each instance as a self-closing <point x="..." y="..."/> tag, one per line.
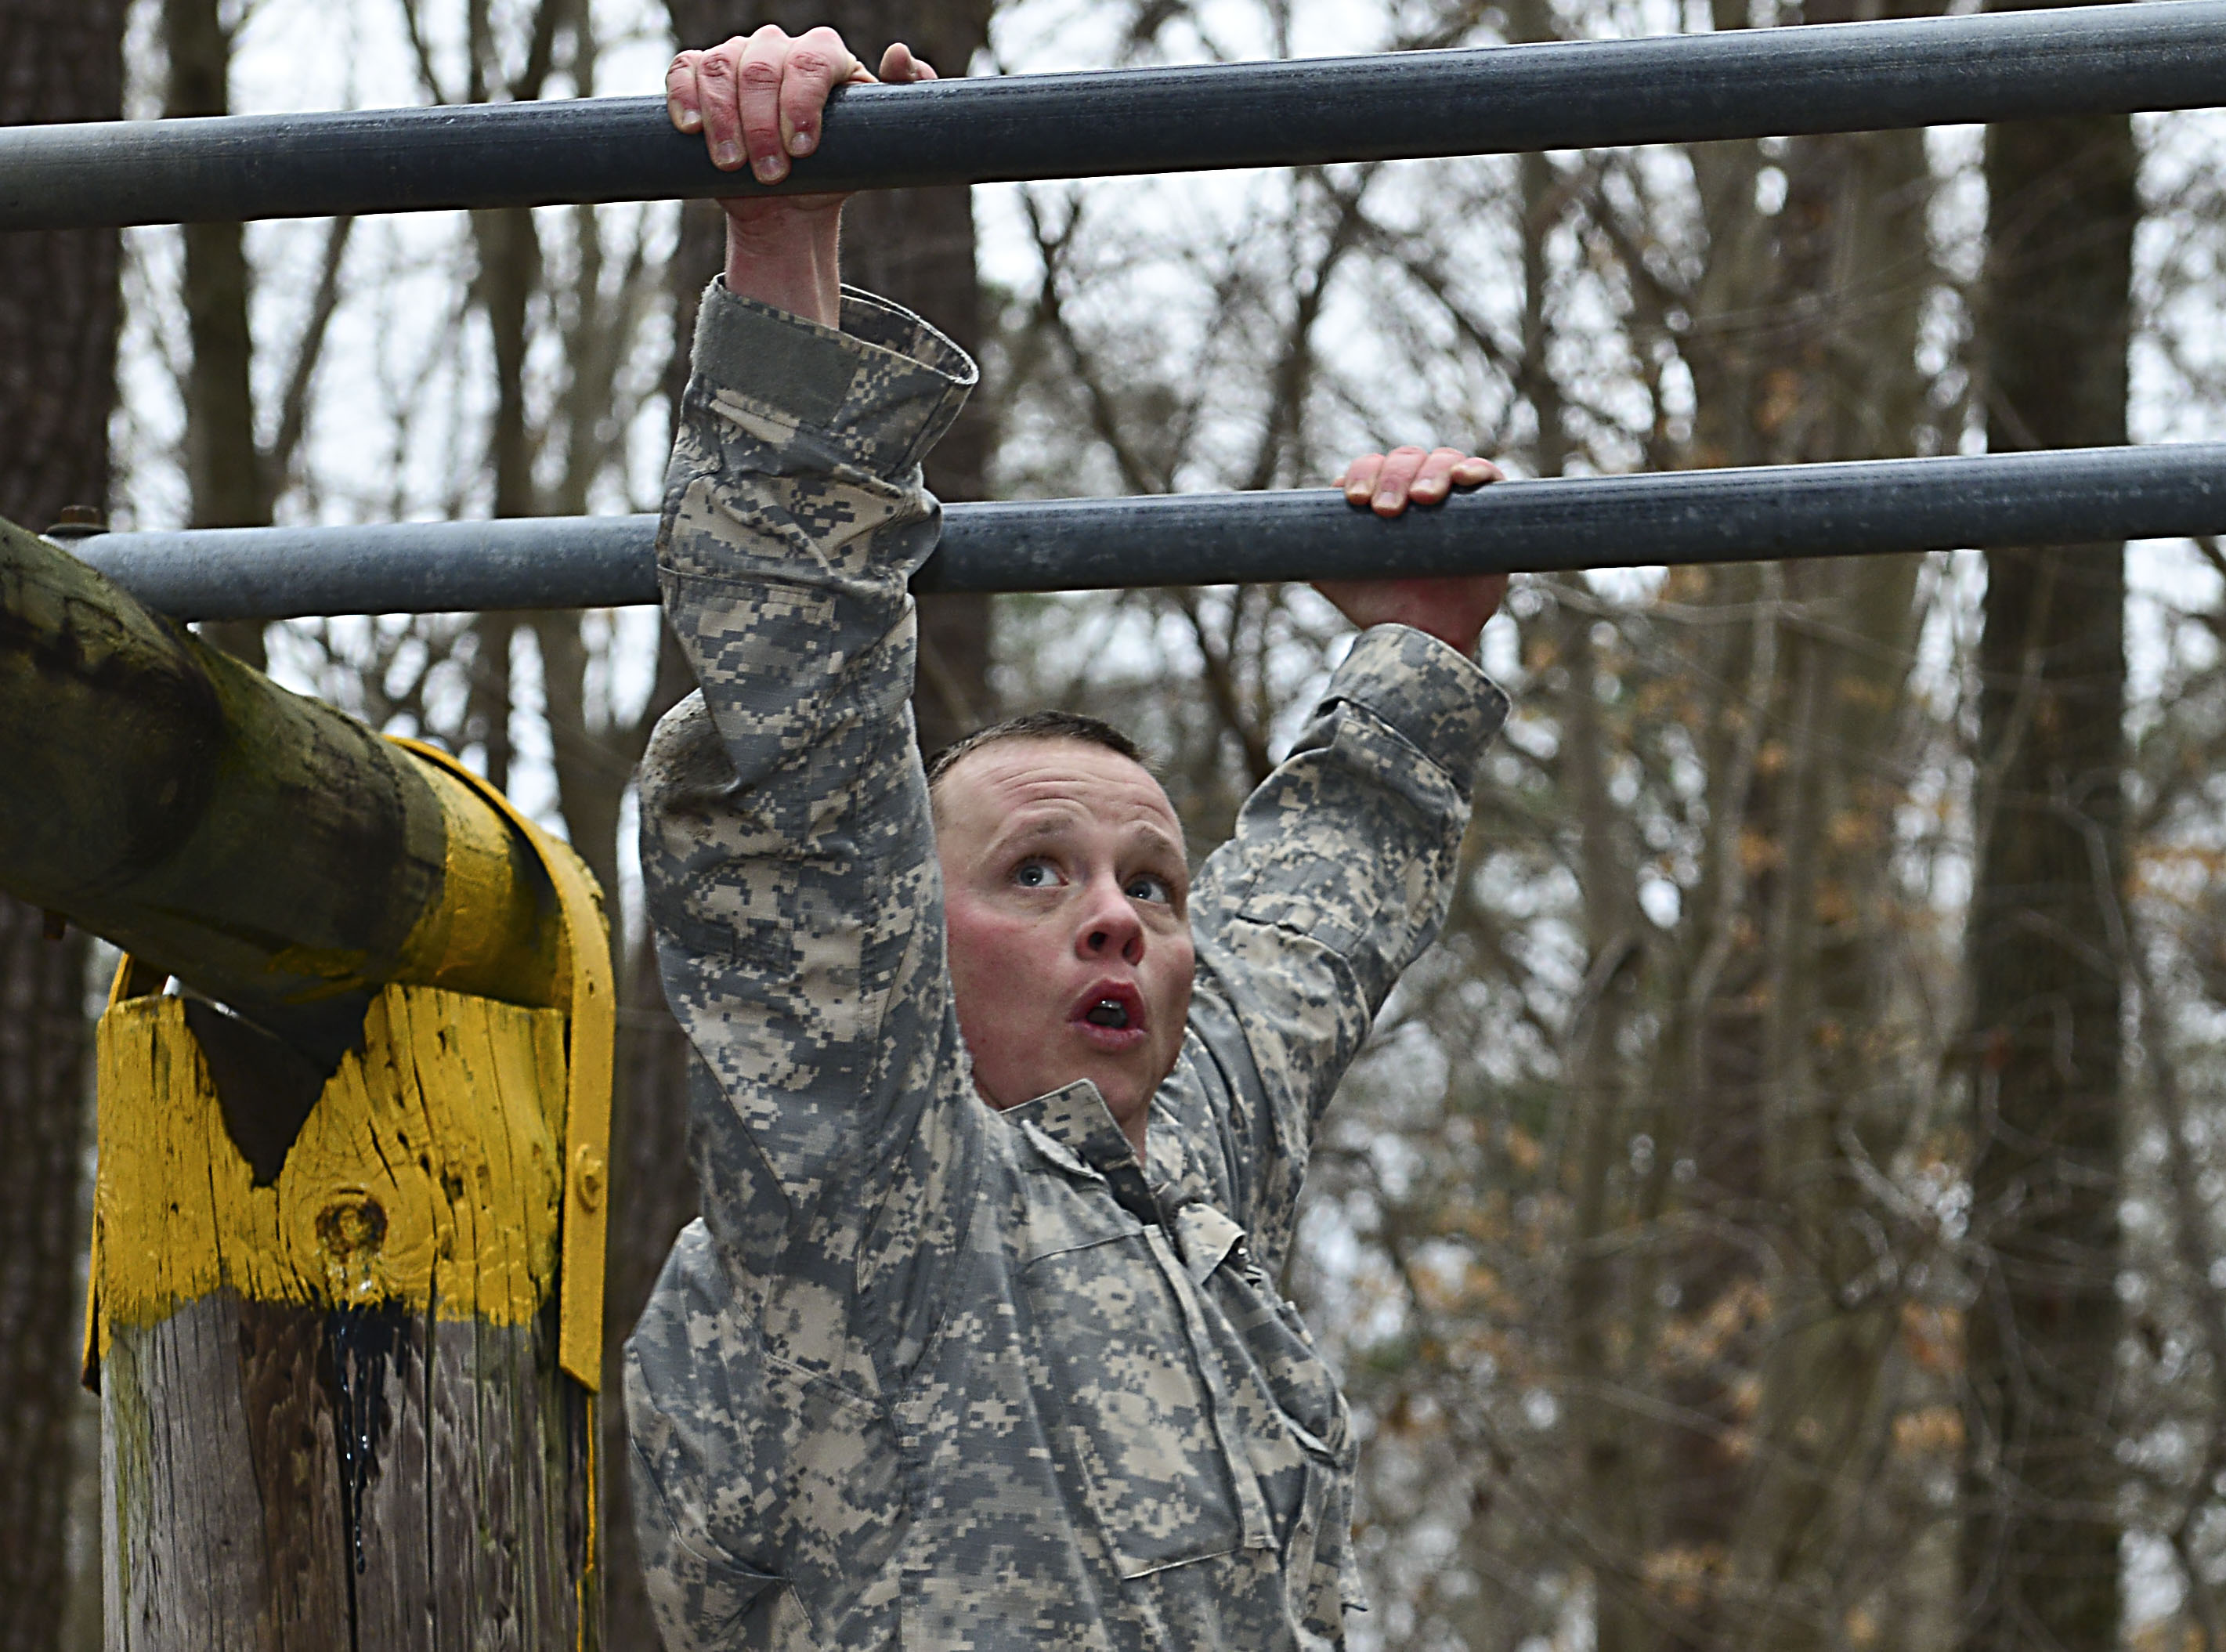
<point x="1786" y="1211"/>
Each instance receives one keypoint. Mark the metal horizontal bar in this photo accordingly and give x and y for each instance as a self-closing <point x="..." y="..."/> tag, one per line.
<point x="1743" y="83"/>
<point x="2069" y="497"/>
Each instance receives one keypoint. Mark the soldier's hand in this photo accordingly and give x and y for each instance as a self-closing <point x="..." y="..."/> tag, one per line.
<point x="1452" y="610"/>
<point x="757" y="101"/>
<point x="1387" y="483"/>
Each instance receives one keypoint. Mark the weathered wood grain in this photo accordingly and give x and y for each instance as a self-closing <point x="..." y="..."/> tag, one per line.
<point x="297" y="1474"/>
<point x="232" y="1524"/>
<point x="409" y="1471"/>
<point x="187" y="1564"/>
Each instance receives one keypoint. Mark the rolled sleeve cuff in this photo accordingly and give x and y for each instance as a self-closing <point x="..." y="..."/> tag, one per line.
<point x="1434" y="697"/>
<point x="879" y="393"/>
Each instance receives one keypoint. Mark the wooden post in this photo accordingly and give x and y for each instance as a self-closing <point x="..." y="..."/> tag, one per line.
<point x="347" y="1271"/>
<point x="347" y="1387"/>
<point x="331" y="1411"/>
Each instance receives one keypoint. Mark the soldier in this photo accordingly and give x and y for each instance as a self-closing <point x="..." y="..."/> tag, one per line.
<point x="931" y="1373"/>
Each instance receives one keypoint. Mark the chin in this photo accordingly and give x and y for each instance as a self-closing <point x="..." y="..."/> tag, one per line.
<point x="1122" y="1100"/>
<point x="1127" y="1096"/>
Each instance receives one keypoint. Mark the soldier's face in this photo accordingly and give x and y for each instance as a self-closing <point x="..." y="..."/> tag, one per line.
<point x="1065" y="894"/>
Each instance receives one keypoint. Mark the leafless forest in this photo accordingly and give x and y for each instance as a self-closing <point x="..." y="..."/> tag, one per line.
<point x="1788" y="1209"/>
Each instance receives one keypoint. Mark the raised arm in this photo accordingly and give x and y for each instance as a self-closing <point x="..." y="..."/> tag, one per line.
<point x="788" y="854"/>
<point x="1340" y="870"/>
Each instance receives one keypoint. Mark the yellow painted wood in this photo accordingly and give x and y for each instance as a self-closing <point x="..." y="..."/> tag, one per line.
<point x="451" y="1169"/>
<point x="427" y="1174"/>
<point x="504" y="1107"/>
<point x="588" y="991"/>
<point x="483" y="926"/>
<point x="269" y="849"/>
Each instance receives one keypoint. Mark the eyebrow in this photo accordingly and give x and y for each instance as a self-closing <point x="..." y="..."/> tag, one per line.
<point x="1013" y="835"/>
<point x="1043" y="829"/>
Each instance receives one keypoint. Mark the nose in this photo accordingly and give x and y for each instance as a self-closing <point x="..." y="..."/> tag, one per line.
<point x="1109" y="927"/>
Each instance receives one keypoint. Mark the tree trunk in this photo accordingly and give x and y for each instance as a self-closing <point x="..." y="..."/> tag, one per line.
<point x="1612" y="1456"/>
<point x="224" y="468"/>
<point x="1803" y="348"/>
<point x="58" y="319"/>
<point x="2040" y="1551"/>
<point x="509" y="250"/>
<point x="42" y="1083"/>
<point x="1855" y="256"/>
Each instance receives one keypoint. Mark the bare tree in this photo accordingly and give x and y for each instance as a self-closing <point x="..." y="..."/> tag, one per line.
<point x="233" y="473"/>
<point x="2048" y="949"/>
<point x="58" y="329"/>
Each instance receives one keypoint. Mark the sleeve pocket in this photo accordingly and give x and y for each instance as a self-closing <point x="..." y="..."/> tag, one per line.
<point x="702" y="1598"/>
<point x="1284" y="902"/>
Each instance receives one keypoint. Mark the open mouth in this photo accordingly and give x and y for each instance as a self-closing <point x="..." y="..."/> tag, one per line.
<point x="1110" y="1011"/>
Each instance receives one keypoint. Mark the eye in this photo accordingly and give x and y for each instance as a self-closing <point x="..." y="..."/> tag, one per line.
<point x="1036" y="873"/>
<point x="1145" y="886"/>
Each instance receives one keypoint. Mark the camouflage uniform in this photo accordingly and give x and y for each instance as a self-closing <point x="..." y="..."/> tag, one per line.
<point x="927" y="1374"/>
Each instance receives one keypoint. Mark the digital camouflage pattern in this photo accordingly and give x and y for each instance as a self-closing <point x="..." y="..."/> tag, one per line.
<point x="928" y="1375"/>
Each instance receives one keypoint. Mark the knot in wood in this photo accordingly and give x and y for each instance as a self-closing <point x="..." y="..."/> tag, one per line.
<point x="352" y="1223"/>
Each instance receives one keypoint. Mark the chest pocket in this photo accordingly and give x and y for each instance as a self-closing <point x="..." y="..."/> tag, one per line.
<point x="1119" y="1369"/>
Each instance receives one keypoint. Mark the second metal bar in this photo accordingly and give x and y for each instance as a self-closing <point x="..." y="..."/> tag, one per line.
<point x="1705" y="516"/>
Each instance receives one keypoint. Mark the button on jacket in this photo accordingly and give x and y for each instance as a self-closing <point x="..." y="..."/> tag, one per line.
<point x="927" y="1374"/>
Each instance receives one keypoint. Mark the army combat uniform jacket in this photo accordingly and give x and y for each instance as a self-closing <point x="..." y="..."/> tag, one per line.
<point x="927" y="1374"/>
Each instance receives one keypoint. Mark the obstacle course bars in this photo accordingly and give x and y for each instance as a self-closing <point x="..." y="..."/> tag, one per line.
<point x="1744" y="83"/>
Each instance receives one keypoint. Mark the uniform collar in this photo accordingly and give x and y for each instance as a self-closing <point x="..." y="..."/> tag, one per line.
<point x="1075" y="1116"/>
<point x="1076" y="1126"/>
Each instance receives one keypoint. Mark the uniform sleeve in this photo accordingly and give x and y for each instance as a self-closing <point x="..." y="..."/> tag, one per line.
<point x="1337" y="877"/>
<point x="788" y="856"/>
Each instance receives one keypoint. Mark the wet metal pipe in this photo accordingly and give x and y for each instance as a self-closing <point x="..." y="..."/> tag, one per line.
<point x="1701" y="516"/>
<point x="1742" y="83"/>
